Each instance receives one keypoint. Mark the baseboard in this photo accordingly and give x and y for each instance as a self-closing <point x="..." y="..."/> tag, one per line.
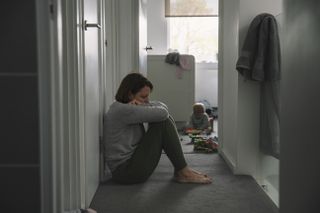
<point x="271" y="191"/>
<point x="228" y="160"/>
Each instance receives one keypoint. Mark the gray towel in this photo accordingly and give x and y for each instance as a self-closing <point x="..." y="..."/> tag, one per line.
<point x="173" y="58"/>
<point x="259" y="58"/>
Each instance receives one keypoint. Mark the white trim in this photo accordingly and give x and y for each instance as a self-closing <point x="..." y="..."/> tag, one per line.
<point x="111" y="59"/>
<point x="207" y="65"/>
<point x="56" y="100"/>
<point x="135" y="35"/>
<point x="103" y="82"/>
<point x="67" y="114"/>
<point x="110" y="64"/>
<point x="61" y="104"/>
<point x="108" y="73"/>
<point x="220" y="75"/>
<point x="228" y="160"/>
<point x="79" y="93"/>
<point x="116" y="41"/>
<point x="102" y="62"/>
<point x="270" y="190"/>
<point x="73" y="30"/>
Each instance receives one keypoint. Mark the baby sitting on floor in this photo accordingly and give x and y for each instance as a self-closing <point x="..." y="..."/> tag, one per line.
<point x="199" y="119"/>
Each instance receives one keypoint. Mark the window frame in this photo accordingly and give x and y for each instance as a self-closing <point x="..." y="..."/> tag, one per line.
<point x="200" y="65"/>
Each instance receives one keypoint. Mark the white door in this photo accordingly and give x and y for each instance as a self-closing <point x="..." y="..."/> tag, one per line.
<point x="92" y="71"/>
<point x="143" y="46"/>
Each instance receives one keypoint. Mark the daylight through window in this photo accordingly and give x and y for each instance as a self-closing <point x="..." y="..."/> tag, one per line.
<point x="196" y="36"/>
<point x="193" y="28"/>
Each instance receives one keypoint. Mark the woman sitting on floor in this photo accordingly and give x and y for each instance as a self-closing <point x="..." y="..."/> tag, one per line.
<point x="132" y="153"/>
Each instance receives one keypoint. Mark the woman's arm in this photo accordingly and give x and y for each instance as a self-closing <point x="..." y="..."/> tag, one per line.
<point x="132" y="113"/>
<point x="156" y="103"/>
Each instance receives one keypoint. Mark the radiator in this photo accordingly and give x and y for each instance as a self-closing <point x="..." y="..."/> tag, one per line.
<point x="176" y="92"/>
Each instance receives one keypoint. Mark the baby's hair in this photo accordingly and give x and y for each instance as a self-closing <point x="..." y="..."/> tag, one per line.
<point x="198" y="108"/>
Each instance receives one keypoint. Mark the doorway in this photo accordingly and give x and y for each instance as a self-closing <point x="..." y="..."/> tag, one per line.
<point x="196" y="36"/>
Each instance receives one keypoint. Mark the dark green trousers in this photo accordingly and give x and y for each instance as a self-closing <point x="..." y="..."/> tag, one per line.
<point x="160" y="136"/>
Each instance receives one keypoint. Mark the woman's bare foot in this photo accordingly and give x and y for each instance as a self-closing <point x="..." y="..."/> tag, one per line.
<point x="188" y="175"/>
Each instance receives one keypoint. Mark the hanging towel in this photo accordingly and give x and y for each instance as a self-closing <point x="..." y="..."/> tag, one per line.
<point x="183" y="62"/>
<point x="173" y="58"/>
<point x="186" y="62"/>
<point x="259" y="60"/>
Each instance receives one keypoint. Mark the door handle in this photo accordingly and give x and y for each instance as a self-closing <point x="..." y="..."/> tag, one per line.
<point x="86" y="25"/>
<point x="148" y="48"/>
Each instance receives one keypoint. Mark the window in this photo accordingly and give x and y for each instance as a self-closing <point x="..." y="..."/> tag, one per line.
<point x="196" y="36"/>
<point x="193" y="28"/>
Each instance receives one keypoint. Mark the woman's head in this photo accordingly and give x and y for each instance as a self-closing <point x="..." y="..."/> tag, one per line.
<point x="134" y="86"/>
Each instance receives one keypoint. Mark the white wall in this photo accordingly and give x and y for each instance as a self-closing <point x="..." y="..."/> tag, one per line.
<point x="121" y="53"/>
<point x="240" y="99"/>
<point x="228" y="80"/>
<point x="157" y="27"/>
<point x="264" y="169"/>
<point x="206" y="85"/>
<point x="127" y="38"/>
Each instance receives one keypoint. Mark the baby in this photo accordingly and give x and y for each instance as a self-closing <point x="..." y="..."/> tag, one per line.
<point x="199" y="119"/>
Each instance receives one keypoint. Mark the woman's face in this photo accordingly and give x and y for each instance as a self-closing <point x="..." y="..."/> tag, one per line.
<point x="143" y="95"/>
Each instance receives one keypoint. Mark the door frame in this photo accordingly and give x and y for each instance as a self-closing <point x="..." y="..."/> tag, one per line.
<point x="45" y="38"/>
<point x="61" y="103"/>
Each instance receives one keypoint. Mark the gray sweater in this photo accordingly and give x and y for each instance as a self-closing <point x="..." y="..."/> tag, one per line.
<point x="123" y="129"/>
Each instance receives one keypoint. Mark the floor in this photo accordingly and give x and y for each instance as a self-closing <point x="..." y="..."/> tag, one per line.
<point x="227" y="194"/>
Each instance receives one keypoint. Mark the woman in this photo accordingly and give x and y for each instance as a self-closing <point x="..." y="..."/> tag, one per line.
<point x="132" y="153"/>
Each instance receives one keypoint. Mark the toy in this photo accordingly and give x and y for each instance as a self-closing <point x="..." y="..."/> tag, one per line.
<point x="205" y="145"/>
<point x="192" y="131"/>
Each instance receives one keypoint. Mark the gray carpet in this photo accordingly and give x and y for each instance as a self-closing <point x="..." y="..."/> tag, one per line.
<point x="227" y="194"/>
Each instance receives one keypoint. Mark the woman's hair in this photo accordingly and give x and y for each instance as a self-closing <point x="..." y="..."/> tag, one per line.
<point x="131" y="84"/>
<point x="198" y="108"/>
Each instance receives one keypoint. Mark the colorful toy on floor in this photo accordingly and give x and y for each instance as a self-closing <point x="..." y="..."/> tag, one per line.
<point x="191" y="131"/>
<point x="206" y="145"/>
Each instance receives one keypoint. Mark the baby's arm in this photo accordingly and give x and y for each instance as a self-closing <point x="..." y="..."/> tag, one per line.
<point x="205" y="122"/>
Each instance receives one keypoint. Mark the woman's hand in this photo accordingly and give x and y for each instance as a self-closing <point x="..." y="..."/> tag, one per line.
<point x="135" y="102"/>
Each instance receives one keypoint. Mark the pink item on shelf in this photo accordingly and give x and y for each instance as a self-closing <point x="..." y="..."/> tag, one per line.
<point x="185" y="64"/>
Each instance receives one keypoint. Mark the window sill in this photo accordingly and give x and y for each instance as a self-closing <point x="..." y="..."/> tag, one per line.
<point x="207" y="65"/>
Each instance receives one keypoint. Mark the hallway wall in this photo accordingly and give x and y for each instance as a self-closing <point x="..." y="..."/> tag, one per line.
<point x="19" y="109"/>
<point x="240" y="101"/>
<point x="206" y="86"/>
<point x="228" y="80"/>
<point x="157" y="27"/>
<point x="265" y="169"/>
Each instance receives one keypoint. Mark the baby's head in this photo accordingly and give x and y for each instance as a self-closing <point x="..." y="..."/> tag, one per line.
<point x="198" y="109"/>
